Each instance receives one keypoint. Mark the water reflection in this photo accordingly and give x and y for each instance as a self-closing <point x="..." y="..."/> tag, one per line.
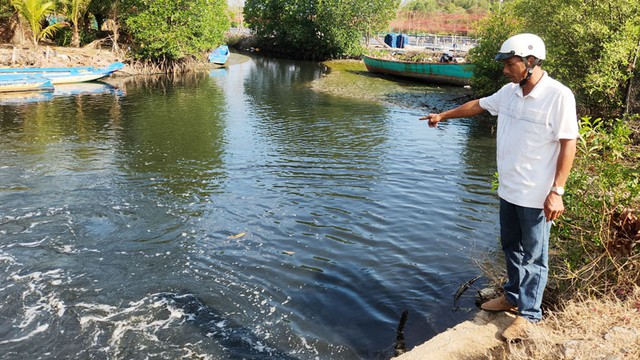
<point x="60" y="90"/>
<point x="306" y="130"/>
<point x="479" y="156"/>
<point x="172" y="134"/>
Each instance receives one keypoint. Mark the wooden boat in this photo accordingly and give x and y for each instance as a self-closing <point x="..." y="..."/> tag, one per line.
<point x="219" y="55"/>
<point x="445" y="73"/>
<point x="13" y="83"/>
<point x="66" y="75"/>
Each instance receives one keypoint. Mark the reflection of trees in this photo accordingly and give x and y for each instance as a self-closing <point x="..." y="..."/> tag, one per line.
<point x="174" y="132"/>
<point x="479" y="154"/>
<point x="481" y="144"/>
<point x="44" y="123"/>
<point x="305" y="125"/>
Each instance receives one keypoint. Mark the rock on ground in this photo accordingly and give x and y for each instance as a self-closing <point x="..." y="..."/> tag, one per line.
<point x="467" y="340"/>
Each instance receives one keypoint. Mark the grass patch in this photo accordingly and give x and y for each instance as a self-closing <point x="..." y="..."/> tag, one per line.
<point x="584" y="328"/>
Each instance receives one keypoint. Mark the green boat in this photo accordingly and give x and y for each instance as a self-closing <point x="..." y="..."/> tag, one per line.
<point x="432" y="72"/>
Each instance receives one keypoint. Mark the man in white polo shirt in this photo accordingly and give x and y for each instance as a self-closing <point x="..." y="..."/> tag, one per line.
<point x="536" y="145"/>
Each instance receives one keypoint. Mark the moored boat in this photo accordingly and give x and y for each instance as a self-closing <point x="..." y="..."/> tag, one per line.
<point x="447" y="73"/>
<point x="14" y="83"/>
<point x="219" y="55"/>
<point x="66" y="75"/>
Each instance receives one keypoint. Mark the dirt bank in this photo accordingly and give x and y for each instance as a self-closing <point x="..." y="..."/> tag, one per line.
<point x="55" y="56"/>
<point x="90" y="55"/>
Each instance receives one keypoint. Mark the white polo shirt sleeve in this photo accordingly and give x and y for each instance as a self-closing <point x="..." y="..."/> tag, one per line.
<point x="564" y="117"/>
<point x="492" y="103"/>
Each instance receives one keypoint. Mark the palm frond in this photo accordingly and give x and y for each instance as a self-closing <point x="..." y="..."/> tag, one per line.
<point x="33" y="12"/>
<point x="50" y="30"/>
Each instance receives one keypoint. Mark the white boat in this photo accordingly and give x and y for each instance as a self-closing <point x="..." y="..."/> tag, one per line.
<point x="15" y="83"/>
<point x="66" y="75"/>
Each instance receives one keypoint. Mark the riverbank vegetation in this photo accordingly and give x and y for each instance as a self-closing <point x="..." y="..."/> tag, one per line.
<point x="165" y="33"/>
<point x="317" y="30"/>
<point x="592" y="49"/>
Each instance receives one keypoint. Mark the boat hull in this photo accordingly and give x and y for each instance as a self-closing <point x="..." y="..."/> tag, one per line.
<point x="78" y="78"/>
<point x="437" y="73"/>
<point x="65" y="75"/>
<point x="17" y="83"/>
<point x="220" y="55"/>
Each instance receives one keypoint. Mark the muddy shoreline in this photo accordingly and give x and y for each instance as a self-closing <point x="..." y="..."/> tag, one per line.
<point x="350" y="78"/>
<point x="56" y="56"/>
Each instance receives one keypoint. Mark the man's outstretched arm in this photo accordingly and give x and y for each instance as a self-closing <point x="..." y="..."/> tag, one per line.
<point x="468" y="109"/>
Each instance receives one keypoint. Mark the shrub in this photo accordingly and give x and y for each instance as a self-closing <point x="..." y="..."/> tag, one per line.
<point x="598" y="239"/>
<point x="166" y="31"/>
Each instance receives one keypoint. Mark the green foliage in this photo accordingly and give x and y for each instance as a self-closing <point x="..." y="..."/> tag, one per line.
<point x="604" y="182"/>
<point x="317" y="29"/>
<point x="374" y="16"/>
<point x="6" y="13"/>
<point x="166" y="31"/>
<point x="492" y="31"/>
<point x="63" y="37"/>
<point x="425" y="6"/>
<point x="6" y="10"/>
<point x="104" y="9"/>
<point x="34" y="12"/>
<point x="77" y="10"/>
<point x="591" y="46"/>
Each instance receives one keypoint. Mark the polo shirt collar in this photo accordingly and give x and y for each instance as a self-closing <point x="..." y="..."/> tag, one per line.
<point x="538" y="89"/>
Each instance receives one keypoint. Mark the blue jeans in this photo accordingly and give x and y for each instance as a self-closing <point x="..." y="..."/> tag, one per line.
<point x="524" y="235"/>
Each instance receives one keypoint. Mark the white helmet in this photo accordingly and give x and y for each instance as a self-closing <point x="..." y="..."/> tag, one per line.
<point x="522" y="45"/>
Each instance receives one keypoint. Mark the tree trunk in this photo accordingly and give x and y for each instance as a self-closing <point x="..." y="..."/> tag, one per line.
<point x="18" y="37"/>
<point x="8" y="29"/>
<point x="116" y="28"/>
<point x="100" y="21"/>
<point x="632" y="71"/>
<point x="75" y="39"/>
<point x="114" y="38"/>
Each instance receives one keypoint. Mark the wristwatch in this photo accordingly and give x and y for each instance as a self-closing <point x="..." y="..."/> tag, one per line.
<point x="558" y="190"/>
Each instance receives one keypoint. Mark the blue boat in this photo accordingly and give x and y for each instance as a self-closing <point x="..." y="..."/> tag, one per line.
<point x="14" y="83"/>
<point x="65" y="75"/>
<point x="431" y="72"/>
<point x="220" y="55"/>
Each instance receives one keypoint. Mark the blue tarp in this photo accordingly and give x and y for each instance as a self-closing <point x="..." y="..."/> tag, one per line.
<point x="402" y="41"/>
<point x="396" y="40"/>
<point x="390" y="39"/>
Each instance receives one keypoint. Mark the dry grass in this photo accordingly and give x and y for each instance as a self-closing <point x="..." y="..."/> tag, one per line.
<point x="93" y="54"/>
<point x="587" y="328"/>
<point x="55" y="56"/>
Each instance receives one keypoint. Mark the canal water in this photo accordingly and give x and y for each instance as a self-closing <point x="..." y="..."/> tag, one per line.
<point x="236" y="214"/>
